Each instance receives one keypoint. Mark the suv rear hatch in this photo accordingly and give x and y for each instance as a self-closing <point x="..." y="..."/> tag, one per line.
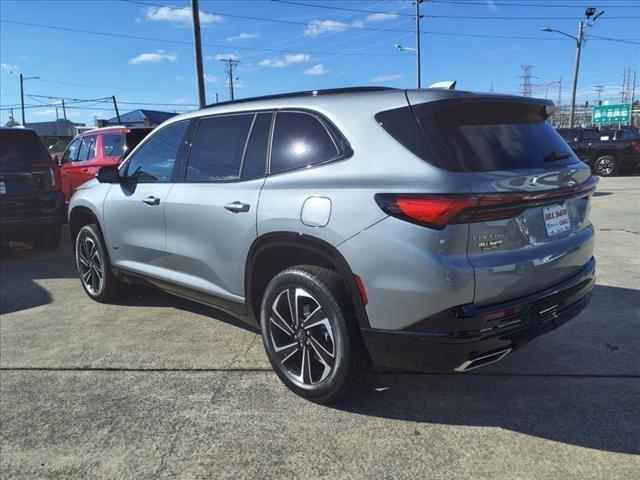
<point x="27" y="175"/>
<point x="528" y="207"/>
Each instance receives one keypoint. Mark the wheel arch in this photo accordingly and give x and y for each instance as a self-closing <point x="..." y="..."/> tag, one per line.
<point x="273" y="252"/>
<point x="79" y="217"/>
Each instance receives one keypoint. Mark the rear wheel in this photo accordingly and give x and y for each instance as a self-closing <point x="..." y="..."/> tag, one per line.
<point x="310" y="333"/>
<point x="606" y="166"/>
<point x="93" y="266"/>
<point x="49" y="239"/>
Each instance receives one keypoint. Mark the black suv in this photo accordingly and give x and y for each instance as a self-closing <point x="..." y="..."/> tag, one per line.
<point x="31" y="201"/>
<point x="607" y="152"/>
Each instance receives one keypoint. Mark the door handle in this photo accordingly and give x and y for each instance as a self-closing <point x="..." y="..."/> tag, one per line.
<point x="237" y="207"/>
<point x="152" y="201"/>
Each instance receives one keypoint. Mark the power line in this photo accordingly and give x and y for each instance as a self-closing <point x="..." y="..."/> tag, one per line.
<point x="474" y="17"/>
<point x="117" y="88"/>
<point x="547" y="5"/>
<point x="185" y="42"/>
<point x="344" y="9"/>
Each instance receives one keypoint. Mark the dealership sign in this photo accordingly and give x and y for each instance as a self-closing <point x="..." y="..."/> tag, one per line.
<point x="612" y="113"/>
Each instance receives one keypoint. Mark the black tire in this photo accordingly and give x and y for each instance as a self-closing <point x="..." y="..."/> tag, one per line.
<point x="313" y="287"/>
<point x="48" y="240"/>
<point x="94" y="267"/>
<point x="606" y="166"/>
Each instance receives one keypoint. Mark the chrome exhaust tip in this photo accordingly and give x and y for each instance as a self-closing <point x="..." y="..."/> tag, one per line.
<point x="483" y="360"/>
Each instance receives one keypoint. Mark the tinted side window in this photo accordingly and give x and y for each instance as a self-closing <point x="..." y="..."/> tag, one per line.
<point x="154" y="161"/>
<point x="112" y="144"/>
<point x="71" y="153"/>
<point x="87" y="148"/>
<point x="217" y="149"/>
<point x="299" y="140"/>
<point x="255" y="160"/>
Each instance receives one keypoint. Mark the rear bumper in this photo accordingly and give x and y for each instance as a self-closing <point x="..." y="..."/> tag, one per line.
<point x="453" y="339"/>
<point x="26" y="225"/>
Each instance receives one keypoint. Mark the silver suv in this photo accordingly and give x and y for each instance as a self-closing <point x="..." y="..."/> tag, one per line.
<point x="417" y="229"/>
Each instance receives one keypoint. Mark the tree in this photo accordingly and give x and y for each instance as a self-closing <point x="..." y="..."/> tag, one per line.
<point x="12" y="123"/>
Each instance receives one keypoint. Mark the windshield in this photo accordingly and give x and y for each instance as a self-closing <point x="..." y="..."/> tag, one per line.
<point x="20" y="149"/>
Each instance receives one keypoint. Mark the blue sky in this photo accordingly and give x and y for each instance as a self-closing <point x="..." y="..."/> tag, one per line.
<point x="314" y="48"/>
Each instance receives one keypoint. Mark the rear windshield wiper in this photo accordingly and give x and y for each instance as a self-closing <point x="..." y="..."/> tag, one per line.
<point x="553" y="156"/>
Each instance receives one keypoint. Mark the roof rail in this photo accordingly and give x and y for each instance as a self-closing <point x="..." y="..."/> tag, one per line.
<point x="304" y="93"/>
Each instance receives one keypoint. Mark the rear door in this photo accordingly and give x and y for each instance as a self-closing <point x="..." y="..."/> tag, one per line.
<point x="78" y="170"/>
<point x="26" y="175"/>
<point x="509" y="155"/>
<point x="68" y="159"/>
<point x="212" y="211"/>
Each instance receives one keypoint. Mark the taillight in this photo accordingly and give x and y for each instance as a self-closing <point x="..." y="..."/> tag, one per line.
<point x="634" y="145"/>
<point x="438" y="211"/>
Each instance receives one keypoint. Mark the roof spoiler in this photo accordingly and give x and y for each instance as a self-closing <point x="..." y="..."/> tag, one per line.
<point x="447" y="84"/>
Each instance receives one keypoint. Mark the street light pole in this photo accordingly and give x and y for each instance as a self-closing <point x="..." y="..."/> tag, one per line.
<point x="22" y="80"/>
<point x="576" y="68"/>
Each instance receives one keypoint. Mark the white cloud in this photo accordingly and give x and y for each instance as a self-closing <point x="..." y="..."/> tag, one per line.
<point x="491" y="5"/>
<point x="159" y="56"/>
<point x="223" y="56"/>
<point x="285" y="61"/>
<point x="243" y="36"/>
<point x="374" y="17"/>
<point x="316" y="70"/>
<point x="179" y="77"/>
<point x="98" y="114"/>
<point x="210" y="78"/>
<point x="9" y="67"/>
<point x="386" y="78"/>
<point x="318" y="27"/>
<point x="180" y="101"/>
<point x="47" y="112"/>
<point x="179" y="15"/>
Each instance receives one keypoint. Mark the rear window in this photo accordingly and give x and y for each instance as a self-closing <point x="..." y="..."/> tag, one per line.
<point x="134" y="137"/>
<point x="483" y="136"/>
<point x="20" y="148"/>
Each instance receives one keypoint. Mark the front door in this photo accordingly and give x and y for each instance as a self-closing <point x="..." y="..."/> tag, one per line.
<point x="135" y="208"/>
<point x="212" y="211"/>
<point x="69" y="160"/>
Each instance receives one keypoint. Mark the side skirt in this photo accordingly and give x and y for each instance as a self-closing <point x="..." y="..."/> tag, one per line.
<point x="238" y="310"/>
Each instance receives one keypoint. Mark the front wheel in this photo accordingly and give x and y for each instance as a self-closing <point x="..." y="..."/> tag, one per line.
<point x="310" y="333"/>
<point x="606" y="166"/>
<point x="93" y="266"/>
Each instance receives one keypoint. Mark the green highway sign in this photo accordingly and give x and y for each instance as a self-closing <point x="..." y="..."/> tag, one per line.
<point x="612" y="113"/>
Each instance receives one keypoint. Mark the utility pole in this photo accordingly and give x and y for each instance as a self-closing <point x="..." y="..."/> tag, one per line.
<point x="216" y="97"/>
<point x="633" y="95"/>
<point x="64" y="114"/>
<point x="576" y="68"/>
<point x="115" y="106"/>
<point x="418" y="17"/>
<point x="197" y="45"/>
<point x="599" y="90"/>
<point x="231" y="63"/>
<point x="22" y="98"/>
<point x="559" y="93"/>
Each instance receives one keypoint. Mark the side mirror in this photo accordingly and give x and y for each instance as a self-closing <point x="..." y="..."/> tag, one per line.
<point x="108" y="174"/>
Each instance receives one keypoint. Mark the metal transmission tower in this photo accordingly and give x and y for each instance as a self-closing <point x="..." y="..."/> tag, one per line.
<point x="599" y="90"/>
<point x="526" y="88"/>
<point x="231" y="64"/>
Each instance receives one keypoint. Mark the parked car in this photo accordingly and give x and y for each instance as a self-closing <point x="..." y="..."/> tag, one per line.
<point x="606" y="152"/>
<point x="93" y="149"/>
<point x="422" y="229"/>
<point x="31" y="201"/>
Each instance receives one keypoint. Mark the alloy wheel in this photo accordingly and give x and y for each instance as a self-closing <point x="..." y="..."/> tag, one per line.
<point x="605" y="166"/>
<point x="302" y="336"/>
<point x="90" y="265"/>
